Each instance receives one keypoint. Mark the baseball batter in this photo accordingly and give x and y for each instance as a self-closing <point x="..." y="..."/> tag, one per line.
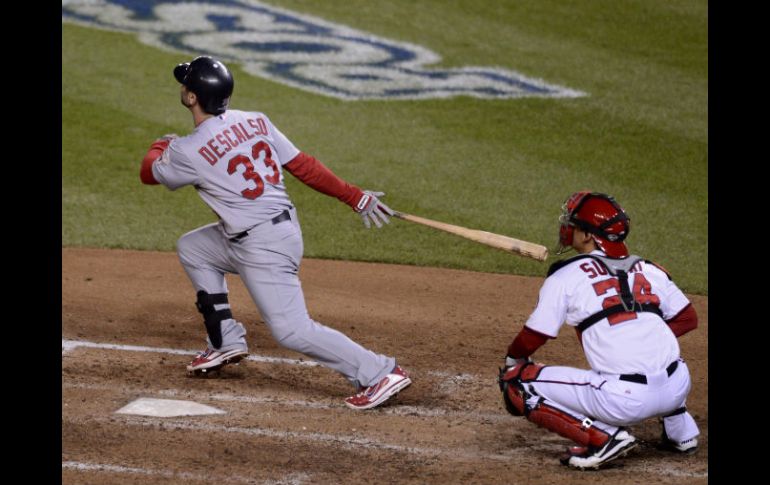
<point x="235" y="160"/>
<point x="628" y="314"/>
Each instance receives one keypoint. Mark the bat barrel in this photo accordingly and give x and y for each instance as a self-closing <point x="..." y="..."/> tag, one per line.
<point x="509" y="244"/>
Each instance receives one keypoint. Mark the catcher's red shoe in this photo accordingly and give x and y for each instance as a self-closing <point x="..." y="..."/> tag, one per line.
<point x="211" y="360"/>
<point x="373" y="396"/>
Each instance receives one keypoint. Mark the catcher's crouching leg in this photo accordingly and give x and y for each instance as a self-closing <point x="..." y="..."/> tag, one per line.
<point x="521" y="402"/>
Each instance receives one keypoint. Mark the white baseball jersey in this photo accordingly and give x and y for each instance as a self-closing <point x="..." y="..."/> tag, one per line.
<point x="234" y="161"/>
<point x="625" y="343"/>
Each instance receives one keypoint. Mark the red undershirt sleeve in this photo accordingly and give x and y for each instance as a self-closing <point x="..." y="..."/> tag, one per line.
<point x="155" y="151"/>
<point x="315" y="174"/>
<point x="526" y="343"/>
<point x="684" y="321"/>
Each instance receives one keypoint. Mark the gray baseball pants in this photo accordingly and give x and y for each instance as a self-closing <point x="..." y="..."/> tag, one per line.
<point x="267" y="261"/>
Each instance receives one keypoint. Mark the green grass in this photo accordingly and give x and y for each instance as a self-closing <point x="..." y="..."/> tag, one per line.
<point x="500" y="165"/>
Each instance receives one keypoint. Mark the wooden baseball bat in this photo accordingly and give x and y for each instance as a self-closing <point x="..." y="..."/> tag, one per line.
<point x="523" y="248"/>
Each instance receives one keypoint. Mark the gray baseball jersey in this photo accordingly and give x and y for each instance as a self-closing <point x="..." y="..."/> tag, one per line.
<point x="235" y="162"/>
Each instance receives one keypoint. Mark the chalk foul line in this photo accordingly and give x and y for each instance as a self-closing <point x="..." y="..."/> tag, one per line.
<point x="291" y="479"/>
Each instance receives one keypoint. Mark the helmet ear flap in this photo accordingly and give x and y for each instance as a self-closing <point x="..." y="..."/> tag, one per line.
<point x="567" y="220"/>
<point x="566" y="235"/>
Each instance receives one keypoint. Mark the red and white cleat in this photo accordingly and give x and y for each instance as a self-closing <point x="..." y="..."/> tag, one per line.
<point x="373" y="396"/>
<point x="212" y="360"/>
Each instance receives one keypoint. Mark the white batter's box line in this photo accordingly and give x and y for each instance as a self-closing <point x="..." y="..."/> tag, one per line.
<point x="355" y="442"/>
<point x="401" y="410"/>
<point x="326" y="439"/>
<point x="291" y="479"/>
<point x="68" y="346"/>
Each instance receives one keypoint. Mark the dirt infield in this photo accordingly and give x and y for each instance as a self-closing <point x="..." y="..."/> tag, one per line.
<point x="285" y="421"/>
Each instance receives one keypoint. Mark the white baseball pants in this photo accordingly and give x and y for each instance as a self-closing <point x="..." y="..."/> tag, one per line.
<point x="611" y="403"/>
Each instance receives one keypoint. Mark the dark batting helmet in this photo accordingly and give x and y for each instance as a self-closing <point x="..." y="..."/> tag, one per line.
<point x="599" y="215"/>
<point x="210" y="80"/>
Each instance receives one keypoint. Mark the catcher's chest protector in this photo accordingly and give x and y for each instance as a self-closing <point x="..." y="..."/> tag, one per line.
<point x="618" y="268"/>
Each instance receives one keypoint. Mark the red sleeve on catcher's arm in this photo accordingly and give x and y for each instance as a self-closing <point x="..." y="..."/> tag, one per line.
<point x="526" y="343"/>
<point x="684" y="321"/>
<point x="145" y="173"/>
<point x="315" y="174"/>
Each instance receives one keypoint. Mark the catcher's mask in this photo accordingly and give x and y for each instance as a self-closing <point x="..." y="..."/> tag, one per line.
<point x="599" y="215"/>
<point x="210" y="80"/>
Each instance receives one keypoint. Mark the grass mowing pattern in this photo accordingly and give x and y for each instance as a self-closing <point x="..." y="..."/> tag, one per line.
<point x="503" y="166"/>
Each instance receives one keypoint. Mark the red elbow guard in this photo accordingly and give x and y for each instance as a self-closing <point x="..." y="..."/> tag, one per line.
<point x="155" y="151"/>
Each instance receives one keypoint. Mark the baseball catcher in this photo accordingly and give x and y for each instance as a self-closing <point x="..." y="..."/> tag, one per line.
<point x="628" y="314"/>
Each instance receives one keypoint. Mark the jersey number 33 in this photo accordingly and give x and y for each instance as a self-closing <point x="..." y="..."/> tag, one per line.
<point x="250" y="173"/>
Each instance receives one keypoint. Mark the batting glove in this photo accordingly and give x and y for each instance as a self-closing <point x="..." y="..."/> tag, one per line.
<point x="169" y="137"/>
<point x="372" y="209"/>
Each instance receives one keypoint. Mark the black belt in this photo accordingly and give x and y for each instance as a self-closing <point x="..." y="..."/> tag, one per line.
<point x="283" y="216"/>
<point x="642" y="379"/>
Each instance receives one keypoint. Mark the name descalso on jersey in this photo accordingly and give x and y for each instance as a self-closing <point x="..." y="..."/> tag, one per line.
<point x="235" y="162"/>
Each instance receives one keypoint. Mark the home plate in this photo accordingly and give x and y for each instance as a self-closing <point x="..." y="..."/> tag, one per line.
<point x="166" y="408"/>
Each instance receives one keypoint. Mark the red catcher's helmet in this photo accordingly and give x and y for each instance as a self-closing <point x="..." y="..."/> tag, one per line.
<point x="599" y="215"/>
